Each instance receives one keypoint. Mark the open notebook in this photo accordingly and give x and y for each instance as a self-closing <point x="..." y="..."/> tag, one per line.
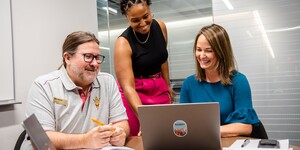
<point x="190" y="126"/>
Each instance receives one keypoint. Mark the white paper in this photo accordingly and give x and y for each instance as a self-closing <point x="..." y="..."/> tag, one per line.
<point x="116" y="148"/>
<point x="253" y="144"/>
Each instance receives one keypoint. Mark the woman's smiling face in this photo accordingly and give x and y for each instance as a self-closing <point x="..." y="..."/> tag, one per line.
<point x="140" y="18"/>
<point x="205" y="54"/>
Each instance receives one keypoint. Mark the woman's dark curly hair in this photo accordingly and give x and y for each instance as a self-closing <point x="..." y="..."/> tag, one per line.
<point x="126" y="4"/>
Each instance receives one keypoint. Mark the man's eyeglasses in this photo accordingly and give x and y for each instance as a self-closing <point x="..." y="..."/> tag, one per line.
<point x="88" y="57"/>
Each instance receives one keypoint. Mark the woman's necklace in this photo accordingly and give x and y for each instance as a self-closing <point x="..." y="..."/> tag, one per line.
<point x="141" y="41"/>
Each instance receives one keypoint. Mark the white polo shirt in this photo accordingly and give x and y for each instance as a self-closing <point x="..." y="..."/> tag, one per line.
<point x="56" y="102"/>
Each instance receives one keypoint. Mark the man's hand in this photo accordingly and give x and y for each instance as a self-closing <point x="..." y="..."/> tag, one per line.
<point x="118" y="137"/>
<point x="98" y="137"/>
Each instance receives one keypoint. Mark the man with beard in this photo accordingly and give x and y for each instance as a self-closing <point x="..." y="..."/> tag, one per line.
<point x="64" y="101"/>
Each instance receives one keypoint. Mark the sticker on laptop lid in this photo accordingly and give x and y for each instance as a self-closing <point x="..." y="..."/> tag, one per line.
<point x="180" y="128"/>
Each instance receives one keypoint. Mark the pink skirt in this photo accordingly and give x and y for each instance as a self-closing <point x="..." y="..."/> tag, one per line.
<point x="151" y="91"/>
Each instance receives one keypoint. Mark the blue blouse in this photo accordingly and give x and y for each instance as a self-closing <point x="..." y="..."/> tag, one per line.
<point x="235" y="100"/>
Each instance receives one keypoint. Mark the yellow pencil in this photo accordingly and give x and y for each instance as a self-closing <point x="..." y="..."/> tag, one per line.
<point x="98" y="122"/>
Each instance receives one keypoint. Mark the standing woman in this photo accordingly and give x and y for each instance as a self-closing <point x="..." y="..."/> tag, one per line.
<point x="217" y="80"/>
<point x="140" y="59"/>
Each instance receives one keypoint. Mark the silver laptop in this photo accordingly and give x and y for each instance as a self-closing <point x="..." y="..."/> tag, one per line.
<point x="192" y="126"/>
<point x="37" y="135"/>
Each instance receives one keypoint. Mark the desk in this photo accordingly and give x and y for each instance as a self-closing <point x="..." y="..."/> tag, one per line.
<point x="136" y="142"/>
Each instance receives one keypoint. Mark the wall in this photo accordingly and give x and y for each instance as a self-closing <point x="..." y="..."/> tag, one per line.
<point x="39" y="28"/>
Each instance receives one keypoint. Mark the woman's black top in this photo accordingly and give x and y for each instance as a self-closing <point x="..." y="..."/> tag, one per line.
<point x="147" y="58"/>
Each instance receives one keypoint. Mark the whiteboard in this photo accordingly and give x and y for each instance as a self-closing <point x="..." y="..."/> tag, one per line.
<point x="6" y="54"/>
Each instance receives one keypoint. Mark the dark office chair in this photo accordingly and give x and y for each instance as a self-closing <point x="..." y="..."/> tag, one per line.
<point x="259" y="131"/>
<point x="20" y="140"/>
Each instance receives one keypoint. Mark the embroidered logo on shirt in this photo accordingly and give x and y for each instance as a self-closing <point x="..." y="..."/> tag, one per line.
<point x="97" y="102"/>
<point x="60" y="101"/>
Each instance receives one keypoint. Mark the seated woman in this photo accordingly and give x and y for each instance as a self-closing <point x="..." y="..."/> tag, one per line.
<point x="218" y="80"/>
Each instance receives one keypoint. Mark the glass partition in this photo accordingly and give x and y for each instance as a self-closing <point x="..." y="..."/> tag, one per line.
<point x="264" y="36"/>
<point x="183" y="19"/>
